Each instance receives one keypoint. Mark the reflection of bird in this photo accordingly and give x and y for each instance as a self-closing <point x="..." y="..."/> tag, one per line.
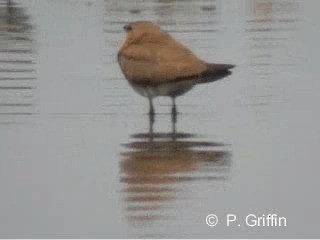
<point x="157" y="167"/>
<point x="156" y="64"/>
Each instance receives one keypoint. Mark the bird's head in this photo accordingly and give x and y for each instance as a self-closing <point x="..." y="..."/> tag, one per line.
<point x="143" y="31"/>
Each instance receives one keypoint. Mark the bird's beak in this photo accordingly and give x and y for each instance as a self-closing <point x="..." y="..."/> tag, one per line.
<point x="127" y="27"/>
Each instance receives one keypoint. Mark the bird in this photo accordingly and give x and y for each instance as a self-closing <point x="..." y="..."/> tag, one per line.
<point x="155" y="64"/>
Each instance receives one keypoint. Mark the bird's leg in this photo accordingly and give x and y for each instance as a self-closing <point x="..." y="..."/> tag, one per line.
<point x="151" y="118"/>
<point x="174" y="108"/>
<point x="173" y="118"/>
<point x="173" y="123"/>
<point x="151" y="122"/>
<point x="151" y="109"/>
<point x="173" y="111"/>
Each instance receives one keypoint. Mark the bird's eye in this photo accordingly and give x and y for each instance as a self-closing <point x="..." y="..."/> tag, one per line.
<point x="127" y="28"/>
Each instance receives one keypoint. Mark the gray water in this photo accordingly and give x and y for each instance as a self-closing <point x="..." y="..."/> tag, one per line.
<point x="78" y="157"/>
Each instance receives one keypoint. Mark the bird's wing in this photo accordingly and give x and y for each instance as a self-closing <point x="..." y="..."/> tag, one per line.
<point x="158" y="63"/>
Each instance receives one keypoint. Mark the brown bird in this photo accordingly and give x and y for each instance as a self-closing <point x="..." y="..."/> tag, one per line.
<point x="155" y="64"/>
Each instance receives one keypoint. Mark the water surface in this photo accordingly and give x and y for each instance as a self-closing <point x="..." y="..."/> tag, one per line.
<point x="78" y="157"/>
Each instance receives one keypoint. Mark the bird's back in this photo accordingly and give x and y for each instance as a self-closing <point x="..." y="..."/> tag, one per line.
<point x="158" y="62"/>
<point x="151" y="56"/>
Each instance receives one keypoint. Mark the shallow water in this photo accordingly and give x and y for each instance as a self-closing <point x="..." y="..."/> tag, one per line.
<point x="80" y="159"/>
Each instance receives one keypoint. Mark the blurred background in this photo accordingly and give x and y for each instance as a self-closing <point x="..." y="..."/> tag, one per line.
<point x="79" y="159"/>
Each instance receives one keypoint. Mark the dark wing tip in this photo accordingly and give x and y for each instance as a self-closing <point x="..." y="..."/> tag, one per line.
<point x="230" y="66"/>
<point x="221" y="67"/>
<point x="216" y="72"/>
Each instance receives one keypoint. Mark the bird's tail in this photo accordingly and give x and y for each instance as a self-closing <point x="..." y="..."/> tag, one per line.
<point x="216" y="72"/>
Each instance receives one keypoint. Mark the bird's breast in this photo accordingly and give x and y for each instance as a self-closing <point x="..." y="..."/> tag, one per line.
<point x="135" y="70"/>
